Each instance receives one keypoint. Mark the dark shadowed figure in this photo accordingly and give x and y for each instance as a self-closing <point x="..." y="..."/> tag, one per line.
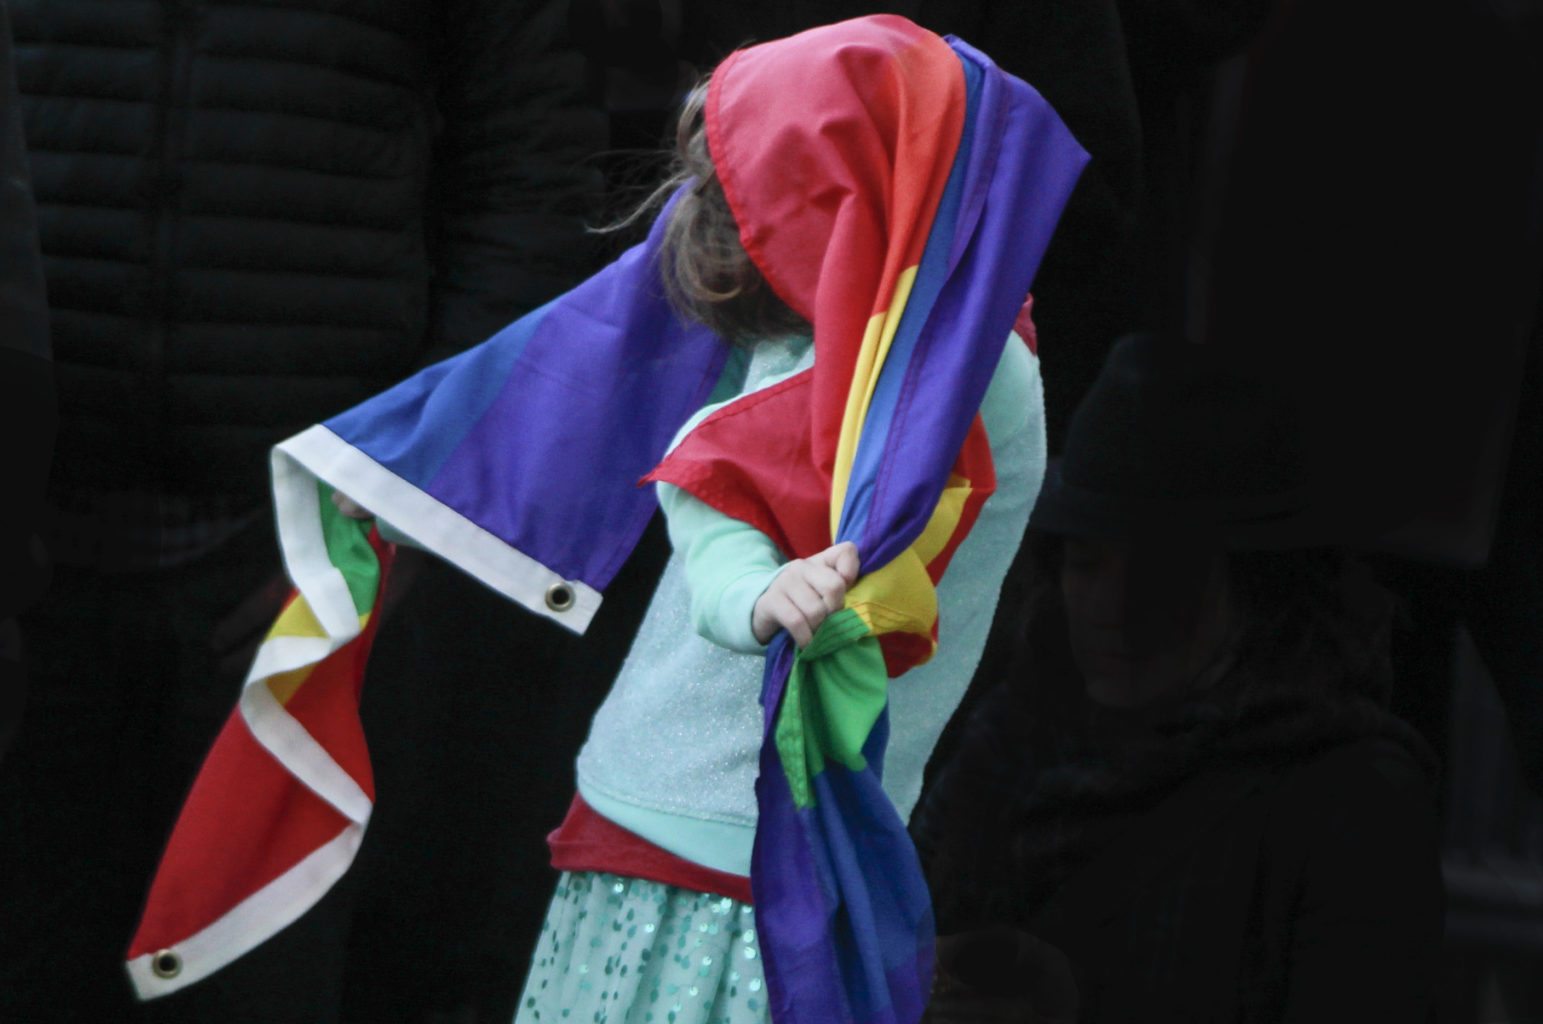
<point x="251" y="217"/>
<point x="1188" y="783"/>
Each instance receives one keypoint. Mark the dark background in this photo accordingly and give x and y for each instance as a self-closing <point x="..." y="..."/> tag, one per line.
<point x="1347" y="190"/>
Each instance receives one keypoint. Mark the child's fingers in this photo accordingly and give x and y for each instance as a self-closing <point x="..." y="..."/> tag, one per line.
<point x="842" y="558"/>
<point x="809" y="591"/>
<point x="791" y="618"/>
<point x="808" y="600"/>
<point x="829" y="584"/>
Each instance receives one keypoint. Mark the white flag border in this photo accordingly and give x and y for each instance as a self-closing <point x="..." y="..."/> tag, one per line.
<point x="251" y="922"/>
<point x="319" y="454"/>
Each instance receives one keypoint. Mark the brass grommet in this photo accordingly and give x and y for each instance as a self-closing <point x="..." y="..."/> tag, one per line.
<point x="559" y="597"/>
<point x="166" y="964"/>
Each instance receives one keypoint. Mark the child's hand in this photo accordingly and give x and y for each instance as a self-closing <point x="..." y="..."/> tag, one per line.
<point x="349" y="507"/>
<point x="804" y="592"/>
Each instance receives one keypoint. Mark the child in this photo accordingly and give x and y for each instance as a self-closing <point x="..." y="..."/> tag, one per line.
<point x="653" y="910"/>
<point x="856" y="218"/>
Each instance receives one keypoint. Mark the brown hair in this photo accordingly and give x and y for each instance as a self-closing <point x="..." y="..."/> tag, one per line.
<point x="707" y="274"/>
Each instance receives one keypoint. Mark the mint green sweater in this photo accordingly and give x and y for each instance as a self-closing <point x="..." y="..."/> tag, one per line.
<point x="672" y="753"/>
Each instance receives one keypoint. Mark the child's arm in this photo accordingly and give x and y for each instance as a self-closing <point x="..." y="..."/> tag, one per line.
<point x="742" y="590"/>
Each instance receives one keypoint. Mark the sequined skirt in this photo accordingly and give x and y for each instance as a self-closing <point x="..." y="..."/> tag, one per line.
<point x="617" y="950"/>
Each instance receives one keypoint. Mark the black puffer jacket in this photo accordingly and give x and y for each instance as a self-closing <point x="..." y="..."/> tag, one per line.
<point x="254" y="215"/>
<point x="27" y="414"/>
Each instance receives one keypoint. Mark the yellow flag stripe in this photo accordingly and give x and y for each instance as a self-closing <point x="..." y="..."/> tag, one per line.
<point x="877" y="339"/>
<point x="284" y="685"/>
<point x="297" y="620"/>
<point x="945" y="520"/>
<point x="900" y="596"/>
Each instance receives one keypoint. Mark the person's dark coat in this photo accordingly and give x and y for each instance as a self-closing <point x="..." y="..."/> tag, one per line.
<point x="23" y="301"/>
<point x="26" y="393"/>
<point x="1281" y="887"/>
<point x="252" y="217"/>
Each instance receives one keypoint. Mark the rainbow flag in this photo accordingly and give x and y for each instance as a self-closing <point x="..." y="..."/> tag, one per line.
<point x="901" y="205"/>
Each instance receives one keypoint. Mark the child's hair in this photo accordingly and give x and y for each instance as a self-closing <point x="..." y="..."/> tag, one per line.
<point x="707" y="274"/>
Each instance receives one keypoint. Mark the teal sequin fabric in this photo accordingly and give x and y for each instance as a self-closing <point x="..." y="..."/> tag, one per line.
<point x="617" y="950"/>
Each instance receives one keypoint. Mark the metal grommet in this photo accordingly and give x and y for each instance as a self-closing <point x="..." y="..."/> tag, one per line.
<point x="166" y="964"/>
<point x="559" y="597"/>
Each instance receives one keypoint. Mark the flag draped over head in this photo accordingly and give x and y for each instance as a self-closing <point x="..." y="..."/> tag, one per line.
<point x="895" y="189"/>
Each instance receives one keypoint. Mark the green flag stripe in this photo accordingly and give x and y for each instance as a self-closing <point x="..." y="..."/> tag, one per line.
<point x="348" y="548"/>
<point x="835" y="693"/>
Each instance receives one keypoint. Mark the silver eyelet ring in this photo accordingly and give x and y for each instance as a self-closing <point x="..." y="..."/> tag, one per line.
<point x="166" y="964"/>
<point x="559" y="597"/>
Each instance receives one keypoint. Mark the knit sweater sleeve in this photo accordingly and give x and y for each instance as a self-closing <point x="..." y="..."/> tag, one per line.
<point x="728" y="565"/>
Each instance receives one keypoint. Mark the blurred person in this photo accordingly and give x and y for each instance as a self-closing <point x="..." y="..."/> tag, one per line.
<point x="251" y="217"/>
<point x="1189" y="785"/>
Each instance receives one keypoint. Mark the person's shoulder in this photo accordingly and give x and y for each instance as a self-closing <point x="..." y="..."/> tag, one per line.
<point x="1369" y="791"/>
